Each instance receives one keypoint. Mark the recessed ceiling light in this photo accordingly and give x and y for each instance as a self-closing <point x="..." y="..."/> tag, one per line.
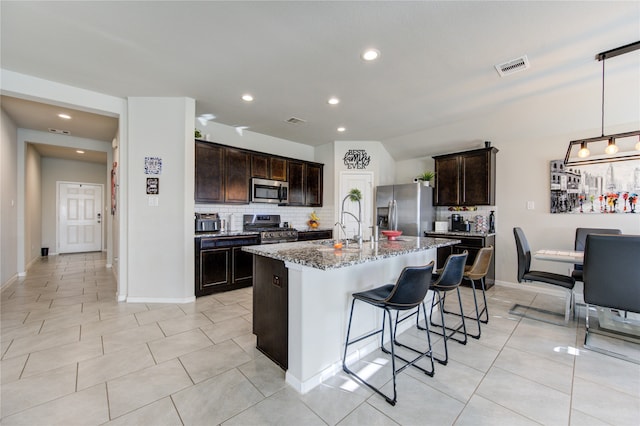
<point x="370" y="54"/>
<point x="65" y="116"/>
<point x="79" y="151"/>
<point x="247" y="97"/>
<point x="341" y="129"/>
<point x="333" y="101"/>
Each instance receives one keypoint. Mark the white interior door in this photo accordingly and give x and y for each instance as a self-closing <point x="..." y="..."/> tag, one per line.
<point x="79" y="217"/>
<point x="364" y="182"/>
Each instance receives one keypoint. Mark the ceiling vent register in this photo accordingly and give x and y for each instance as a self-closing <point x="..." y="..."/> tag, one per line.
<point x="513" y="66"/>
<point x="295" y="120"/>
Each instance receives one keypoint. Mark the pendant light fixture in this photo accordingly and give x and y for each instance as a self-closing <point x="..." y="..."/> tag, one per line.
<point x="606" y="148"/>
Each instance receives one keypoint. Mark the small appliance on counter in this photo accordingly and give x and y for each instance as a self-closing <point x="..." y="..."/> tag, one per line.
<point x="208" y="222"/>
<point x="459" y="224"/>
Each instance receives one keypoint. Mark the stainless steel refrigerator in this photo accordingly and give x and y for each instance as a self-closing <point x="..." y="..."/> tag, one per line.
<point x="407" y="208"/>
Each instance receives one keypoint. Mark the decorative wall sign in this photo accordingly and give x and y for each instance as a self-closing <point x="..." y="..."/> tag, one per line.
<point x="356" y="159"/>
<point x="153" y="186"/>
<point x="595" y="188"/>
<point x="114" y="187"/>
<point x="152" y="165"/>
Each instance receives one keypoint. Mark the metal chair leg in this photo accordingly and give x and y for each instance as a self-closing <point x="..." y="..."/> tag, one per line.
<point x="479" y="313"/>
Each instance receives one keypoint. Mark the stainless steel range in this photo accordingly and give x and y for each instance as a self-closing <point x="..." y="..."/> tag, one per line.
<point x="269" y="227"/>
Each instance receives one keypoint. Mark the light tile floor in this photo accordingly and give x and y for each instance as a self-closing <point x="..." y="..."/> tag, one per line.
<point x="72" y="355"/>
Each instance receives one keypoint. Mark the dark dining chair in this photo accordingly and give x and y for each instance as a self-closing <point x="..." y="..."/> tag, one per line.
<point x="580" y="241"/>
<point x="612" y="282"/>
<point x="406" y="294"/>
<point x="525" y="274"/>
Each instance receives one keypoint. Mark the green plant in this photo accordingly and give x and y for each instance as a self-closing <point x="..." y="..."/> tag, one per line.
<point x="426" y="176"/>
<point x="355" y="195"/>
<point x="198" y="134"/>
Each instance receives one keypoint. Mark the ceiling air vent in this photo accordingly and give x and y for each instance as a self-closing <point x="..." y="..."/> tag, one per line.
<point x="295" y="120"/>
<point x="60" y="132"/>
<point x="513" y="66"/>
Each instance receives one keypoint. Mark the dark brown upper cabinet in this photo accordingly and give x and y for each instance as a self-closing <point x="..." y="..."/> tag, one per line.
<point x="268" y="167"/>
<point x="237" y="176"/>
<point x="313" y="185"/>
<point x="209" y="173"/>
<point x="296" y="183"/>
<point x="223" y="175"/>
<point x="278" y="168"/>
<point x="466" y="178"/>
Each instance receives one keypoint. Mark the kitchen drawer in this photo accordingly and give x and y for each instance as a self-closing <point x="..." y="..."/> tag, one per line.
<point x="215" y="242"/>
<point x="471" y="242"/>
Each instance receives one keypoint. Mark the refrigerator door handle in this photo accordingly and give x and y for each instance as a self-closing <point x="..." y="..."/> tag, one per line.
<point x="393" y="215"/>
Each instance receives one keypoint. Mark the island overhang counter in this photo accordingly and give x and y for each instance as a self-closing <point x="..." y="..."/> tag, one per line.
<point x="302" y="295"/>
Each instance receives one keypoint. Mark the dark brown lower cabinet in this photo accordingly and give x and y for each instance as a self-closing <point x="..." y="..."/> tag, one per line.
<point x="472" y="244"/>
<point x="221" y="265"/>
<point x="271" y="308"/>
<point x="320" y="234"/>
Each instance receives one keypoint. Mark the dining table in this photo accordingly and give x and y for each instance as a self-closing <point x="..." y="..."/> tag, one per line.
<point x="564" y="256"/>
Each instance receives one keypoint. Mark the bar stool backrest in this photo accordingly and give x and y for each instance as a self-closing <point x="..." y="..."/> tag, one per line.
<point x="411" y="287"/>
<point x="481" y="264"/>
<point x="452" y="272"/>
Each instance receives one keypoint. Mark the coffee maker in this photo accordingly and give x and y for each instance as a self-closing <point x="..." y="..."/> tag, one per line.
<point x="459" y="224"/>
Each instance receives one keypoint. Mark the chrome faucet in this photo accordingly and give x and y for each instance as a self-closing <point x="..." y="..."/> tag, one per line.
<point x="358" y="219"/>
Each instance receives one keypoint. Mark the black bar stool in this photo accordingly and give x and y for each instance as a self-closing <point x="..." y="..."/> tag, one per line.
<point x="407" y="293"/>
<point x="473" y="273"/>
<point x="448" y="280"/>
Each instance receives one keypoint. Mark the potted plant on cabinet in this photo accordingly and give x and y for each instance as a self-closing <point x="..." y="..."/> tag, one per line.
<point x="426" y="178"/>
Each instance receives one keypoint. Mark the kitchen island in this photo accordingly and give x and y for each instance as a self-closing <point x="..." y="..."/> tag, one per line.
<point x="302" y="296"/>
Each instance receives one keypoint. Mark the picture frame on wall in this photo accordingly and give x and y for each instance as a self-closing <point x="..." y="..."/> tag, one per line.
<point x="603" y="188"/>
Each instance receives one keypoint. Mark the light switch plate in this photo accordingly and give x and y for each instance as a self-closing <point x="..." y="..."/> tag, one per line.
<point x="153" y="201"/>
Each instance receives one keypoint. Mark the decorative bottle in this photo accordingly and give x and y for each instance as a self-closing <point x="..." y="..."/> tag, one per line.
<point x="492" y="222"/>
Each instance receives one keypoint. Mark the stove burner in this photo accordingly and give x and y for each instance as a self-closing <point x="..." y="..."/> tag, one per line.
<point x="269" y="227"/>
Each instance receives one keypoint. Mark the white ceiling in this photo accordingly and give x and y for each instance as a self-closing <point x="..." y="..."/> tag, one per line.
<point x="436" y="65"/>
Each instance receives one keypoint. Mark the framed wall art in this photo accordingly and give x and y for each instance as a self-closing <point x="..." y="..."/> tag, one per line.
<point x="602" y="188"/>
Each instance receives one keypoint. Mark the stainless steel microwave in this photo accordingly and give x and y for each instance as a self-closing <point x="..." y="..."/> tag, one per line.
<point x="269" y="191"/>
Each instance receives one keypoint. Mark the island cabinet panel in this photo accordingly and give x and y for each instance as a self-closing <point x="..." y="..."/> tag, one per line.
<point x="270" y="309"/>
<point x="237" y="176"/>
<point x="296" y="183"/>
<point x="466" y="178"/>
<point x="209" y="173"/>
<point x="313" y="185"/>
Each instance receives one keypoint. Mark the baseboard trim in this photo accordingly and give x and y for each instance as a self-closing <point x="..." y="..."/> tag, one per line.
<point x="160" y="300"/>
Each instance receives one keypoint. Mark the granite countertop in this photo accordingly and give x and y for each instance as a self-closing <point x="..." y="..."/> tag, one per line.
<point x="320" y="254"/>
<point x="461" y="233"/>
<point x="224" y="234"/>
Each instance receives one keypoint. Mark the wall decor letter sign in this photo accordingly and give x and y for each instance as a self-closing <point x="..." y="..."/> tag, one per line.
<point x="356" y="159"/>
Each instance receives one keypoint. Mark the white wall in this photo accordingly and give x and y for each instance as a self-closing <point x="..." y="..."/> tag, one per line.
<point x="32" y="205"/>
<point x="529" y="134"/>
<point x="8" y="200"/>
<point x="57" y="169"/>
<point x="227" y="135"/>
<point x="160" y="238"/>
